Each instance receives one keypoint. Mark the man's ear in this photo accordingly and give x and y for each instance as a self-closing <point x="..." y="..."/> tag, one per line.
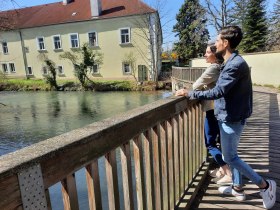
<point x="226" y="43"/>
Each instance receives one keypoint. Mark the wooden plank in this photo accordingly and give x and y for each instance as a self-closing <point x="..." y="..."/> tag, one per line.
<point x="148" y="174"/>
<point x="155" y="157"/>
<point x="129" y="171"/>
<point x="176" y="157"/>
<point x="190" y="125"/>
<point x="137" y="171"/>
<point x="10" y="197"/>
<point x="109" y="180"/>
<point x="186" y="148"/>
<point x="193" y="141"/>
<point x="196" y="138"/>
<point x="163" y="166"/>
<point x="113" y="161"/>
<point x="125" y="184"/>
<point x="93" y="185"/>
<point x="170" y="164"/>
<point x="181" y="155"/>
<point x="69" y="193"/>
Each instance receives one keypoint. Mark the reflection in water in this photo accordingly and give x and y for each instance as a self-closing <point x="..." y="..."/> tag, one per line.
<point x="30" y="117"/>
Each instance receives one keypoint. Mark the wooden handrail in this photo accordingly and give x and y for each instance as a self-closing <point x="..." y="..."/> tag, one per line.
<point x="166" y="140"/>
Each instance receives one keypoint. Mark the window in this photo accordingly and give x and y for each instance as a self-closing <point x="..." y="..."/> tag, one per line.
<point x="41" y="43"/>
<point x="29" y="70"/>
<point x="92" y="39"/>
<point x="5" y="47"/>
<point x="5" y="68"/>
<point x="74" y="40"/>
<point x="125" y="35"/>
<point x="44" y="70"/>
<point x="57" y="42"/>
<point x="126" y="68"/>
<point x="60" y="70"/>
<point x="12" y="67"/>
<point x="95" y="69"/>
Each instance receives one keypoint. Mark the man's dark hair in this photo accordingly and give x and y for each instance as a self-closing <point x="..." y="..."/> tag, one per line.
<point x="233" y="34"/>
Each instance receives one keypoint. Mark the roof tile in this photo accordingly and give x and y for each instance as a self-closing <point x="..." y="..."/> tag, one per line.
<point x="78" y="10"/>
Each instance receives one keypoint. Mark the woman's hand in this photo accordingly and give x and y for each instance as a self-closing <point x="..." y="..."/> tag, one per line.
<point x="181" y="92"/>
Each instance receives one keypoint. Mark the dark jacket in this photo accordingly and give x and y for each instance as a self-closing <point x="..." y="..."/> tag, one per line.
<point x="233" y="91"/>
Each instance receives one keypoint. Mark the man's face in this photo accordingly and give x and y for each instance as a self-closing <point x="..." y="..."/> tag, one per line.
<point x="221" y="44"/>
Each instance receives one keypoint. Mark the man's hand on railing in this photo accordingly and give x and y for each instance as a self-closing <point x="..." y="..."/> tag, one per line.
<point x="181" y="92"/>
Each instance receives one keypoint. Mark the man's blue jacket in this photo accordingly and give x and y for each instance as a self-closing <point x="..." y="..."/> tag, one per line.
<point x="233" y="91"/>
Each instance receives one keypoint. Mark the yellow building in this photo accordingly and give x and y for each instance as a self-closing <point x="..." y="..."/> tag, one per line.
<point x="116" y="29"/>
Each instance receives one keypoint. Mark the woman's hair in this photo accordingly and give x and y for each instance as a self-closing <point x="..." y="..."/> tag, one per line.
<point x="218" y="56"/>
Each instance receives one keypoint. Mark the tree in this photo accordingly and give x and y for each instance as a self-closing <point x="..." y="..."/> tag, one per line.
<point x="191" y="30"/>
<point x="50" y="66"/>
<point x="51" y="78"/>
<point x="83" y="61"/>
<point x="131" y="59"/>
<point x="239" y="11"/>
<point x="219" y="13"/>
<point x="255" y="27"/>
<point x="273" y="42"/>
<point x="149" y="29"/>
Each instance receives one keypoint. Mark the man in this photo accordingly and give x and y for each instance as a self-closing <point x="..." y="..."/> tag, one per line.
<point x="233" y="105"/>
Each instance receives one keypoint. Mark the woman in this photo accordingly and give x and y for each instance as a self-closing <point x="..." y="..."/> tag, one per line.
<point x="211" y="128"/>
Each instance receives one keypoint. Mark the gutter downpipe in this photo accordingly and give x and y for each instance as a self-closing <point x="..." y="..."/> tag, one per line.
<point x="23" y="54"/>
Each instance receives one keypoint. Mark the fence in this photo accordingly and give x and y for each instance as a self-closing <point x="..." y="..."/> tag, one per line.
<point x="184" y="77"/>
<point x="160" y="146"/>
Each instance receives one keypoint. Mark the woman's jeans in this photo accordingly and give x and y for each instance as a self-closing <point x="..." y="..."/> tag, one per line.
<point x="211" y="131"/>
<point x="230" y="136"/>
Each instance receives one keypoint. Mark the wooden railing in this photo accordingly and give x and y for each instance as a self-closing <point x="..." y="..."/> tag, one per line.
<point x="160" y="150"/>
<point x="185" y="76"/>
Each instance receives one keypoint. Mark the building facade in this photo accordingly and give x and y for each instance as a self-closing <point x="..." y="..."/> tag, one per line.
<point x="114" y="29"/>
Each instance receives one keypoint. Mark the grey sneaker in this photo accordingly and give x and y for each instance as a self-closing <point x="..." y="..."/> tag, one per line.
<point x="228" y="190"/>
<point x="269" y="195"/>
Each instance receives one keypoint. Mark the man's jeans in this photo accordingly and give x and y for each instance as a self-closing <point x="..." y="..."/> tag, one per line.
<point x="230" y="136"/>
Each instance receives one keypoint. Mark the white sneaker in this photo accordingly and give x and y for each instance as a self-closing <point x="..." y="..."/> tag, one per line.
<point x="228" y="190"/>
<point x="269" y="195"/>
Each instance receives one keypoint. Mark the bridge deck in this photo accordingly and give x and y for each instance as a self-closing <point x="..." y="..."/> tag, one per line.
<point x="260" y="147"/>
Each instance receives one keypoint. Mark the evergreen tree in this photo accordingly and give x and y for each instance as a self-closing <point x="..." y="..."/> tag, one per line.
<point x="239" y="11"/>
<point x="191" y="29"/>
<point x="274" y="28"/>
<point x="255" y="27"/>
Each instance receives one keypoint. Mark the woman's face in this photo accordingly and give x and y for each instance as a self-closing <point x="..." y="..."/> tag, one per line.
<point x="209" y="56"/>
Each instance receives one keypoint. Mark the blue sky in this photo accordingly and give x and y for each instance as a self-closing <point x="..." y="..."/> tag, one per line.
<point x="167" y="8"/>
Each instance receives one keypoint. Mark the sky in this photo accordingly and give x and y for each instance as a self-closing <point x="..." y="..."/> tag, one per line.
<point x="167" y="9"/>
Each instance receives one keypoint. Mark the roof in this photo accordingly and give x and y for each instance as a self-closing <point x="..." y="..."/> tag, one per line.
<point x="78" y="10"/>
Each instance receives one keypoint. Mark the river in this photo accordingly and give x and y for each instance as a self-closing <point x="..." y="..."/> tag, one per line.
<point x="30" y="117"/>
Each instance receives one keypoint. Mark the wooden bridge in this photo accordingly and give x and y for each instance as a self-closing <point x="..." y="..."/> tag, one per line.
<point x="153" y="157"/>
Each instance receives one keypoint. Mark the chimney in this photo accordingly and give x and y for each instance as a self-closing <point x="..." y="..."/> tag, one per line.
<point x="96" y="8"/>
<point x="65" y="2"/>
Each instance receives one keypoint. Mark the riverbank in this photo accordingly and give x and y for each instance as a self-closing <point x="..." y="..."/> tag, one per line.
<point x="73" y="85"/>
